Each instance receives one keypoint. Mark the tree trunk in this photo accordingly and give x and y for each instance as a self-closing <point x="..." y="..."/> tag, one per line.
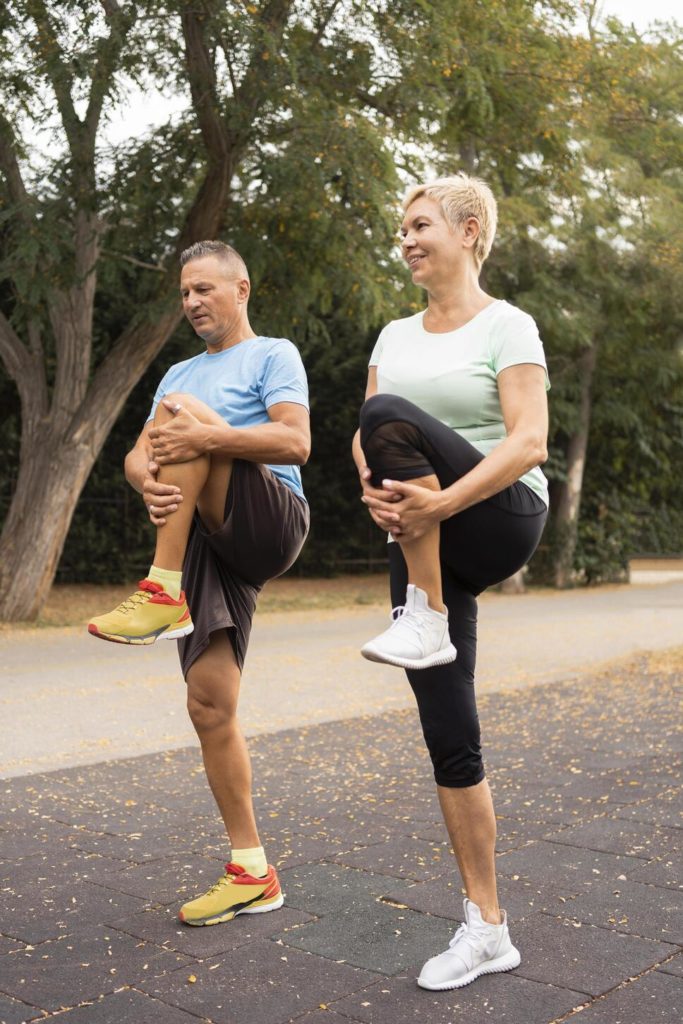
<point x="48" y="488"/>
<point x="514" y="584"/>
<point x="569" y="502"/>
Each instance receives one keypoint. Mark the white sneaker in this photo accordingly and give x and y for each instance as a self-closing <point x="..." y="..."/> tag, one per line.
<point x="476" y="948"/>
<point x="417" y="638"/>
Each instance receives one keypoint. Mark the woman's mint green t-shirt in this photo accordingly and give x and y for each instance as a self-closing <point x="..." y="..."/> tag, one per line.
<point x="453" y="376"/>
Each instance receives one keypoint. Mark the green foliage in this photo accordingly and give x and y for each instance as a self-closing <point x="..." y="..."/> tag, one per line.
<point x="579" y="136"/>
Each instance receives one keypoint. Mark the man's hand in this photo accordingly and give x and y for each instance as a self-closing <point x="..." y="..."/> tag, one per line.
<point x="161" y="499"/>
<point x="181" y="439"/>
<point x="405" y="510"/>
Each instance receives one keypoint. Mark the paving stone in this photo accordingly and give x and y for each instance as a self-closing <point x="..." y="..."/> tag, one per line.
<point x="665" y="810"/>
<point x="40" y="912"/>
<point x="267" y="984"/>
<point x="321" y="889"/>
<point x="615" y="836"/>
<point x="127" y="1007"/>
<point x="627" y="906"/>
<point x="582" y="958"/>
<point x="14" y="1012"/>
<point x="8" y="944"/>
<point x="161" y="926"/>
<point x="656" y="998"/>
<point x="375" y="936"/>
<point x="443" y="897"/>
<point x="55" y="864"/>
<point x="563" y="868"/>
<point x="172" y="879"/>
<point x="135" y="848"/>
<point x="83" y="966"/>
<point x="673" y="966"/>
<point x="664" y="871"/>
<point x="402" y="858"/>
<point x="502" y="997"/>
<point x="326" y="1016"/>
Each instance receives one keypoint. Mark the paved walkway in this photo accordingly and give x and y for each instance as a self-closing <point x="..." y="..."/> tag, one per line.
<point x="586" y="776"/>
<point x="89" y="700"/>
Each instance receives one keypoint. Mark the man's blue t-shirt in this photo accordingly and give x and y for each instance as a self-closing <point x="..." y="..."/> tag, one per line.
<point x="241" y="383"/>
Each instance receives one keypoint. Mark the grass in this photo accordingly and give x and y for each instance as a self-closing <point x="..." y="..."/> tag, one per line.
<point x="74" y="604"/>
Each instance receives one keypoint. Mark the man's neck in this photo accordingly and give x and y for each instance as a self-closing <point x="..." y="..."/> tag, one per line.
<point x="233" y="336"/>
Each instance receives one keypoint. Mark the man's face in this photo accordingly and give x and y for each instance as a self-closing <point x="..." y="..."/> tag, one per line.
<point x="214" y="297"/>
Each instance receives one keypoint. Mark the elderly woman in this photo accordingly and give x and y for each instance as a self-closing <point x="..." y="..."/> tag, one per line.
<point x="452" y="434"/>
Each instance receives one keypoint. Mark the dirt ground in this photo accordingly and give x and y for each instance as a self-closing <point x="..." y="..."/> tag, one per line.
<point x="74" y="604"/>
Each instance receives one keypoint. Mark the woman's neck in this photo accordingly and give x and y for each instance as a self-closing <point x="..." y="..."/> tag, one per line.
<point x="452" y="305"/>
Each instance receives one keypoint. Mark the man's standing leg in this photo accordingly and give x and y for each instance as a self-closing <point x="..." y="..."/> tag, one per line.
<point x="213" y="685"/>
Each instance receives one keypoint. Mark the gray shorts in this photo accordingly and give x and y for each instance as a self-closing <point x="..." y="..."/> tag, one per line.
<point x="264" y="529"/>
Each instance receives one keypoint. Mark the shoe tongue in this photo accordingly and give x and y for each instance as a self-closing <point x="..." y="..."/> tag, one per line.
<point x="234" y="869"/>
<point x="416" y="599"/>
<point x="473" y="915"/>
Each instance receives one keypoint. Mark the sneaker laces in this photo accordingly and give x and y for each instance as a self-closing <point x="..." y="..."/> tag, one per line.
<point x="405" y="619"/>
<point x="231" y="873"/>
<point x="466" y="934"/>
<point x="142" y="596"/>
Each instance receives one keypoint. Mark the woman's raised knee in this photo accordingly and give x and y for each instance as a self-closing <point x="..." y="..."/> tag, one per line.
<point x="380" y="408"/>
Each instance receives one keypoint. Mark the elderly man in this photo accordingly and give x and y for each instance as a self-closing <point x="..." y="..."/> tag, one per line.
<point x="217" y="465"/>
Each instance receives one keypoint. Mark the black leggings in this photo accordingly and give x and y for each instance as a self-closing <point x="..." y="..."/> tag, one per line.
<point x="479" y="547"/>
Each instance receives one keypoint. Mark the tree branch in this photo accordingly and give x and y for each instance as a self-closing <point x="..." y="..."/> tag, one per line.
<point x="159" y="267"/>
<point x="10" y="167"/>
<point x="49" y="52"/>
<point x="108" y="52"/>
<point x="203" y="90"/>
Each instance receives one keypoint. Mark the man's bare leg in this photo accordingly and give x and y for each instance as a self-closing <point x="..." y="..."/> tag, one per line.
<point x="159" y="609"/>
<point x="203" y="483"/>
<point x="213" y="685"/>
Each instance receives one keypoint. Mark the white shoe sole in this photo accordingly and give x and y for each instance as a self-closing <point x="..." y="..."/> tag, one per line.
<point x="508" y="962"/>
<point x="442" y="657"/>
<point x="175" y="634"/>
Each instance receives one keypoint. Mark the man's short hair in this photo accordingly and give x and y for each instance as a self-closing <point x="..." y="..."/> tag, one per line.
<point x="224" y="252"/>
<point x="461" y="197"/>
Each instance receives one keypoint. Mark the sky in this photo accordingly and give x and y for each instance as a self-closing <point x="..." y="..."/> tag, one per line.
<point x="146" y="110"/>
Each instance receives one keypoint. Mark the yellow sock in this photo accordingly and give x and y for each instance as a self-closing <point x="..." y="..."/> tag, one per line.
<point x="168" y="579"/>
<point x="253" y="861"/>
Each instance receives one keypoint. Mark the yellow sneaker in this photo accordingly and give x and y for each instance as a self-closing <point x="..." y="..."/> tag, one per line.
<point x="147" y="615"/>
<point x="235" y="893"/>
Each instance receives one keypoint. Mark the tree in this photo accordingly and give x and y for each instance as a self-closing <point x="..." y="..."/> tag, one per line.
<point x="252" y="75"/>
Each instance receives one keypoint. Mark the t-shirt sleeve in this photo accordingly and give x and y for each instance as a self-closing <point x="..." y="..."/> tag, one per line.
<point x="516" y="340"/>
<point x="376" y="353"/>
<point x="162" y="390"/>
<point x="284" y="377"/>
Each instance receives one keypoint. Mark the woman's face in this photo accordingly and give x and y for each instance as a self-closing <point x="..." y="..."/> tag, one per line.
<point x="433" y="250"/>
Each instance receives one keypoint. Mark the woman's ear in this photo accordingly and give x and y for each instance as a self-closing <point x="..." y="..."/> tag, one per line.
<point x="471" y="229"/>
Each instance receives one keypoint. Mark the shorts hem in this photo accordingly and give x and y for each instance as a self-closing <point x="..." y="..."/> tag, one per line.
<point x="231" y="629"/>
<point x="448" y="784"/>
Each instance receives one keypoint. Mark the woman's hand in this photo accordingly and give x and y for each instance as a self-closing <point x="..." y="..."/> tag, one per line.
<point x="180" y="440"/>
<point x="407" y="511"/>
<point x="369" y="492"/>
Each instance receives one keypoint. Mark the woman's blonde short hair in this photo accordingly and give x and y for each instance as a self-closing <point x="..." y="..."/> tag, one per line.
<point x="461" y="197"/>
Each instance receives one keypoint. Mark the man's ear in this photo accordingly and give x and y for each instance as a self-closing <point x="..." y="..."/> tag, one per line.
<point x="243" y="289"/>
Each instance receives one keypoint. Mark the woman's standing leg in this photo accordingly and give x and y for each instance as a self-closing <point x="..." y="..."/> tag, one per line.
<point x="448" y="713"/>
